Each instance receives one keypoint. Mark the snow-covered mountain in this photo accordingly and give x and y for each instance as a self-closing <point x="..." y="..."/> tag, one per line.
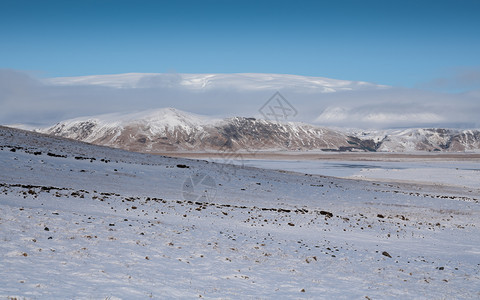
<point x="418" y="139"/>
<point x="158" y="130"/>
<point x="173" y="130"/>
<point x="169" y="129"/>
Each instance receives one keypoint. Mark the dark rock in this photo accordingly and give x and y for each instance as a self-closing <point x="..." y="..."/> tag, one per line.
<point x="326" y="214"/>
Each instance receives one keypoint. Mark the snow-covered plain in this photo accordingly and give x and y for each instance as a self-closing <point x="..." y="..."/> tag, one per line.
<point x="83" y="221"/>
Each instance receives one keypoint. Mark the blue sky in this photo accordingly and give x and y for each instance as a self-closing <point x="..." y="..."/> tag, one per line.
<point x="423" y="44"/>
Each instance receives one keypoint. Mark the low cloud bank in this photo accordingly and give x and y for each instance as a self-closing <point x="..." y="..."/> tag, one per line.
<point x="25" y="99"/>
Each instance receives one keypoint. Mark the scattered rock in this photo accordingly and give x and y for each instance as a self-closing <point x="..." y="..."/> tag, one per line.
<point x="327" y="214"/>
<point x="56" y="155"/>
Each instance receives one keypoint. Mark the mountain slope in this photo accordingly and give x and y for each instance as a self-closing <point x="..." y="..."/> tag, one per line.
<point x="432" y="140"/>
<point x="157" y="130"/>
<point x="169" y="129"/>
<point x="172" y="130"/>
<point x="428" y="139"/>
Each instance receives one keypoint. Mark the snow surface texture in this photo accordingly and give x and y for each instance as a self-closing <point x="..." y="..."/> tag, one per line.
<point x="84" y="221"/>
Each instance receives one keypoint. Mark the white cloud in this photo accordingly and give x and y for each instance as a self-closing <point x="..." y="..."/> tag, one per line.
<point x="326" y="102"/>
<point x="419" y="118"/>
<point x="338" y="116"/>
<point x="458" y="79"/>
<point x="334" y="115"/>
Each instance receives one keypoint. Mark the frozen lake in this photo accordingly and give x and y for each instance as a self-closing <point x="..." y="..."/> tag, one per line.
<point x="455" y="173"/>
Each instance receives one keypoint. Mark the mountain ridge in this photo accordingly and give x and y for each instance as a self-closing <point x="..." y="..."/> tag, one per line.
<point x="173" y="130"/>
